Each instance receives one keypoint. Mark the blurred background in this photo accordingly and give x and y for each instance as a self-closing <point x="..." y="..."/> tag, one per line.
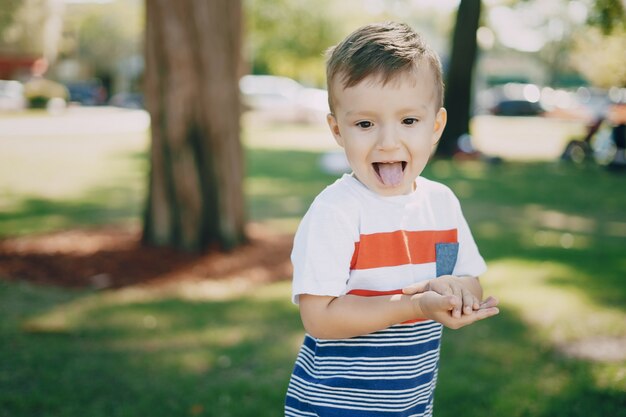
<point x="104" y="313"/>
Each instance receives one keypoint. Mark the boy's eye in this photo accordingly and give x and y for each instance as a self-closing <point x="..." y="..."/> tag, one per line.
<point x="364" y="124"/>
<point x="410" y="121"/>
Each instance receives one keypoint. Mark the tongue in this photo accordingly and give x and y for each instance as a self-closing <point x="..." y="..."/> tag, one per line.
<point x="391" y="174"/>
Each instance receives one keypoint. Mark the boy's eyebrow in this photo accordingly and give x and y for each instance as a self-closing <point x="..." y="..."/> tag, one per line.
<point x="417" y="107"/>
<point x="360" y="113"/>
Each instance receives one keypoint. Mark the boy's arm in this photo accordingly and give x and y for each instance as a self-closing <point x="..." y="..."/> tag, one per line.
<point x="327" y="317"/>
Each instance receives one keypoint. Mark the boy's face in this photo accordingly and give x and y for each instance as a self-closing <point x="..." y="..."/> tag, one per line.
<point x="387" y="131"/>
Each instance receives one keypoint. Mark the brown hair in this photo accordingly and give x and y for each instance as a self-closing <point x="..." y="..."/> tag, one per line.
<point x="382" y="49"/>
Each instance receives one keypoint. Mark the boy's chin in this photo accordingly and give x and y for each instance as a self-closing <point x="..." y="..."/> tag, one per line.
<point x="390" y="191"/>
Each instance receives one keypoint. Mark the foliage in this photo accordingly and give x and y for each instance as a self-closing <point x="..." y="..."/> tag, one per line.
<point x="21" y="26"/>
<point x="608" y="15"/>
<point x="94" y="33"/>
<point x="289" y="37"/>
<point x="600" y="57"/>
<point x="7" y="14"/>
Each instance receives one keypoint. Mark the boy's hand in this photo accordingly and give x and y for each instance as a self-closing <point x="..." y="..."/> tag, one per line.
<point x="439" y="307"/>
<point x="448" y="285"/>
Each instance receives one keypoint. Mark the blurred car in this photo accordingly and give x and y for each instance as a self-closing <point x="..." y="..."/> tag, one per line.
<point x="87" y="93"/>
<point x="268" y="92"/>
<point x="313" y="103"/>
<point x="283" y="99"/>
<point x="12" y="95"/>
<point x="127" y="100"/>
<point x="517" y="108"/>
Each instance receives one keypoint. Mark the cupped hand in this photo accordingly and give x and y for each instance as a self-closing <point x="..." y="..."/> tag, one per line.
<point x="448" y="285"/>
<point x="440" y="308"/>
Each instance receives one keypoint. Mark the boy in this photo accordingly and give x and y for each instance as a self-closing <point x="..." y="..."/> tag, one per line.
<point x="368" y="251"/>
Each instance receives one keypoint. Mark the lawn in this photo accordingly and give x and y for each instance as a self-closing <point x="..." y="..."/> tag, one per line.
<point x="553" y="236"/>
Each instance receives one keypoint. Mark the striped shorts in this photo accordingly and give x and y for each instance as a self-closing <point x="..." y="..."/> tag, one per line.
<point x="389" y="373"/>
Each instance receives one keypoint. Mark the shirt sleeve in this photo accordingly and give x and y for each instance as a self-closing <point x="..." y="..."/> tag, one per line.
<point x="322" y="250"/>
<point x="469" y="261"/>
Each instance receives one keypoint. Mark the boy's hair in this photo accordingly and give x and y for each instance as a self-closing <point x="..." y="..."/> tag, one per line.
<point x="384" y="50"/>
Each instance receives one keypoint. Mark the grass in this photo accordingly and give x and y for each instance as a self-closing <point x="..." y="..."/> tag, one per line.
<point x="553" y="236"/>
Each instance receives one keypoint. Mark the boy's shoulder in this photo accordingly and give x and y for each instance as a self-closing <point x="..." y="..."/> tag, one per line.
<point x="341" y="193"/>
<point x="433" y="188"/>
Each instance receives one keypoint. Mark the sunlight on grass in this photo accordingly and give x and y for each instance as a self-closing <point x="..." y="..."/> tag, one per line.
<point x="68" y="316"/>
<point x="268" y="186"/>
<point x="560" y="314"/>
<point x="36" y="167"/>
<point x="157" y="351"/>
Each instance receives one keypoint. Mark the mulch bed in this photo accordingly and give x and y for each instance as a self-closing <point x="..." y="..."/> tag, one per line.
<point x="113" y="257"/>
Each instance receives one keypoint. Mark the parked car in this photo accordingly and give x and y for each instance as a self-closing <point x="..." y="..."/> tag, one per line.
<point x="11" y="95"/>
<point x="283" y="99"/>
<point x="517" y="108"/>
<point x="87" y="93"/>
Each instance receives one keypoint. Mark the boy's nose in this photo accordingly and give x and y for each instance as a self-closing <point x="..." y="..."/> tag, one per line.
<point x="388" y="139"/>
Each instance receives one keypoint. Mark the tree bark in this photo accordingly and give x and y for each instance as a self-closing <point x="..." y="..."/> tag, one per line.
<point x="195" y="195"/>
<point x="460" y="75"/>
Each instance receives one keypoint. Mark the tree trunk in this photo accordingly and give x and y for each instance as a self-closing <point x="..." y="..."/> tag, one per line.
<point x="460" y="75"/>
<point x="195" y="198"/>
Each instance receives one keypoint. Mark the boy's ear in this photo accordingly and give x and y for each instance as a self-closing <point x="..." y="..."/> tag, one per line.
<point x="334" y="128"/>
<point x="440" y="123"/>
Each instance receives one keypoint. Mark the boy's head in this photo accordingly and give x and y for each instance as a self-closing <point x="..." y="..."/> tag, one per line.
<point x="384" y="51"/>
<point x="385" y="94"/>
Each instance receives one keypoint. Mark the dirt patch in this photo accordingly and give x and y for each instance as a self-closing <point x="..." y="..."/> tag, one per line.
<point x="597" y="349"/>
<point x="114" y="258"/>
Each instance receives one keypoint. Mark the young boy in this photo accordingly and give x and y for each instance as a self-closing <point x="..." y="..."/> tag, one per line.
<point x="383" y="258"/>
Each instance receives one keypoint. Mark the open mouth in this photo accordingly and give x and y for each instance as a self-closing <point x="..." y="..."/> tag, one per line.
<point x="390" y="173"/>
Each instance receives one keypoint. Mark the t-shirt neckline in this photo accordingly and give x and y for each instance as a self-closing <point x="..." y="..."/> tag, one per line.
<point x="403" y="198"/>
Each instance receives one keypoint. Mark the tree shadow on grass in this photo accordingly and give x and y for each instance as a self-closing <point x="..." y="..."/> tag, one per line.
<point x="499" y="367"/>
<point x="547" y="212"/>
<point x="99" y="206"/>
<point x="282" y="184"/>
<point x="598" y="269"/>
<point x="228" y="358"/>
<point x="174" y="357"/>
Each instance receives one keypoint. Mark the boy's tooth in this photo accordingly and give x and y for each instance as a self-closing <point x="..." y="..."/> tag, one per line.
<point x="390" y="173"/>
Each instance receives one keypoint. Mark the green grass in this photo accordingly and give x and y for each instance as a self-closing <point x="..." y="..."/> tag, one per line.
<point x="86" y="354"/>
<point x="553" y="236"/>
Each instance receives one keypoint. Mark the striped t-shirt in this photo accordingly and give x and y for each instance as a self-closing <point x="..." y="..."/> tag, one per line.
<point x="354" y="241"/>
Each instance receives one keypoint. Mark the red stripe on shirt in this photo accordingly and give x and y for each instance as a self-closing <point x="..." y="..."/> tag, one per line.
<point x="401" y="247"/>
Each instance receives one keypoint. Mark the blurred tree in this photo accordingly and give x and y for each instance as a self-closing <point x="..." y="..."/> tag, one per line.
<point x="21" y="26"/>
<point x="600" y="57"/>
<point x="7" y="14"/>
<point x="459" y="76"/>
<point x="599" y="49"/>
<point x="608" y="15"/>
<point x="288" y="37"/>
<point x="195" y="198"/>
<point x="93" y="34"/>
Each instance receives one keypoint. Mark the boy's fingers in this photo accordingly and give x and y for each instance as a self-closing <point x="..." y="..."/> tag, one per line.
<point x="489" y="302"/>
<point x="456" y="312"/>
<point x="446" y="302"/>
<point x="414" y="288"/>
<point x="482" y="314"/>
<point x="487" y="312"/>
<point x="468" y="302"/>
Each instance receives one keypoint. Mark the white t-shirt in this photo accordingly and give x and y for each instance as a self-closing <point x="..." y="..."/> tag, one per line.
<point x="352" y="240"/>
